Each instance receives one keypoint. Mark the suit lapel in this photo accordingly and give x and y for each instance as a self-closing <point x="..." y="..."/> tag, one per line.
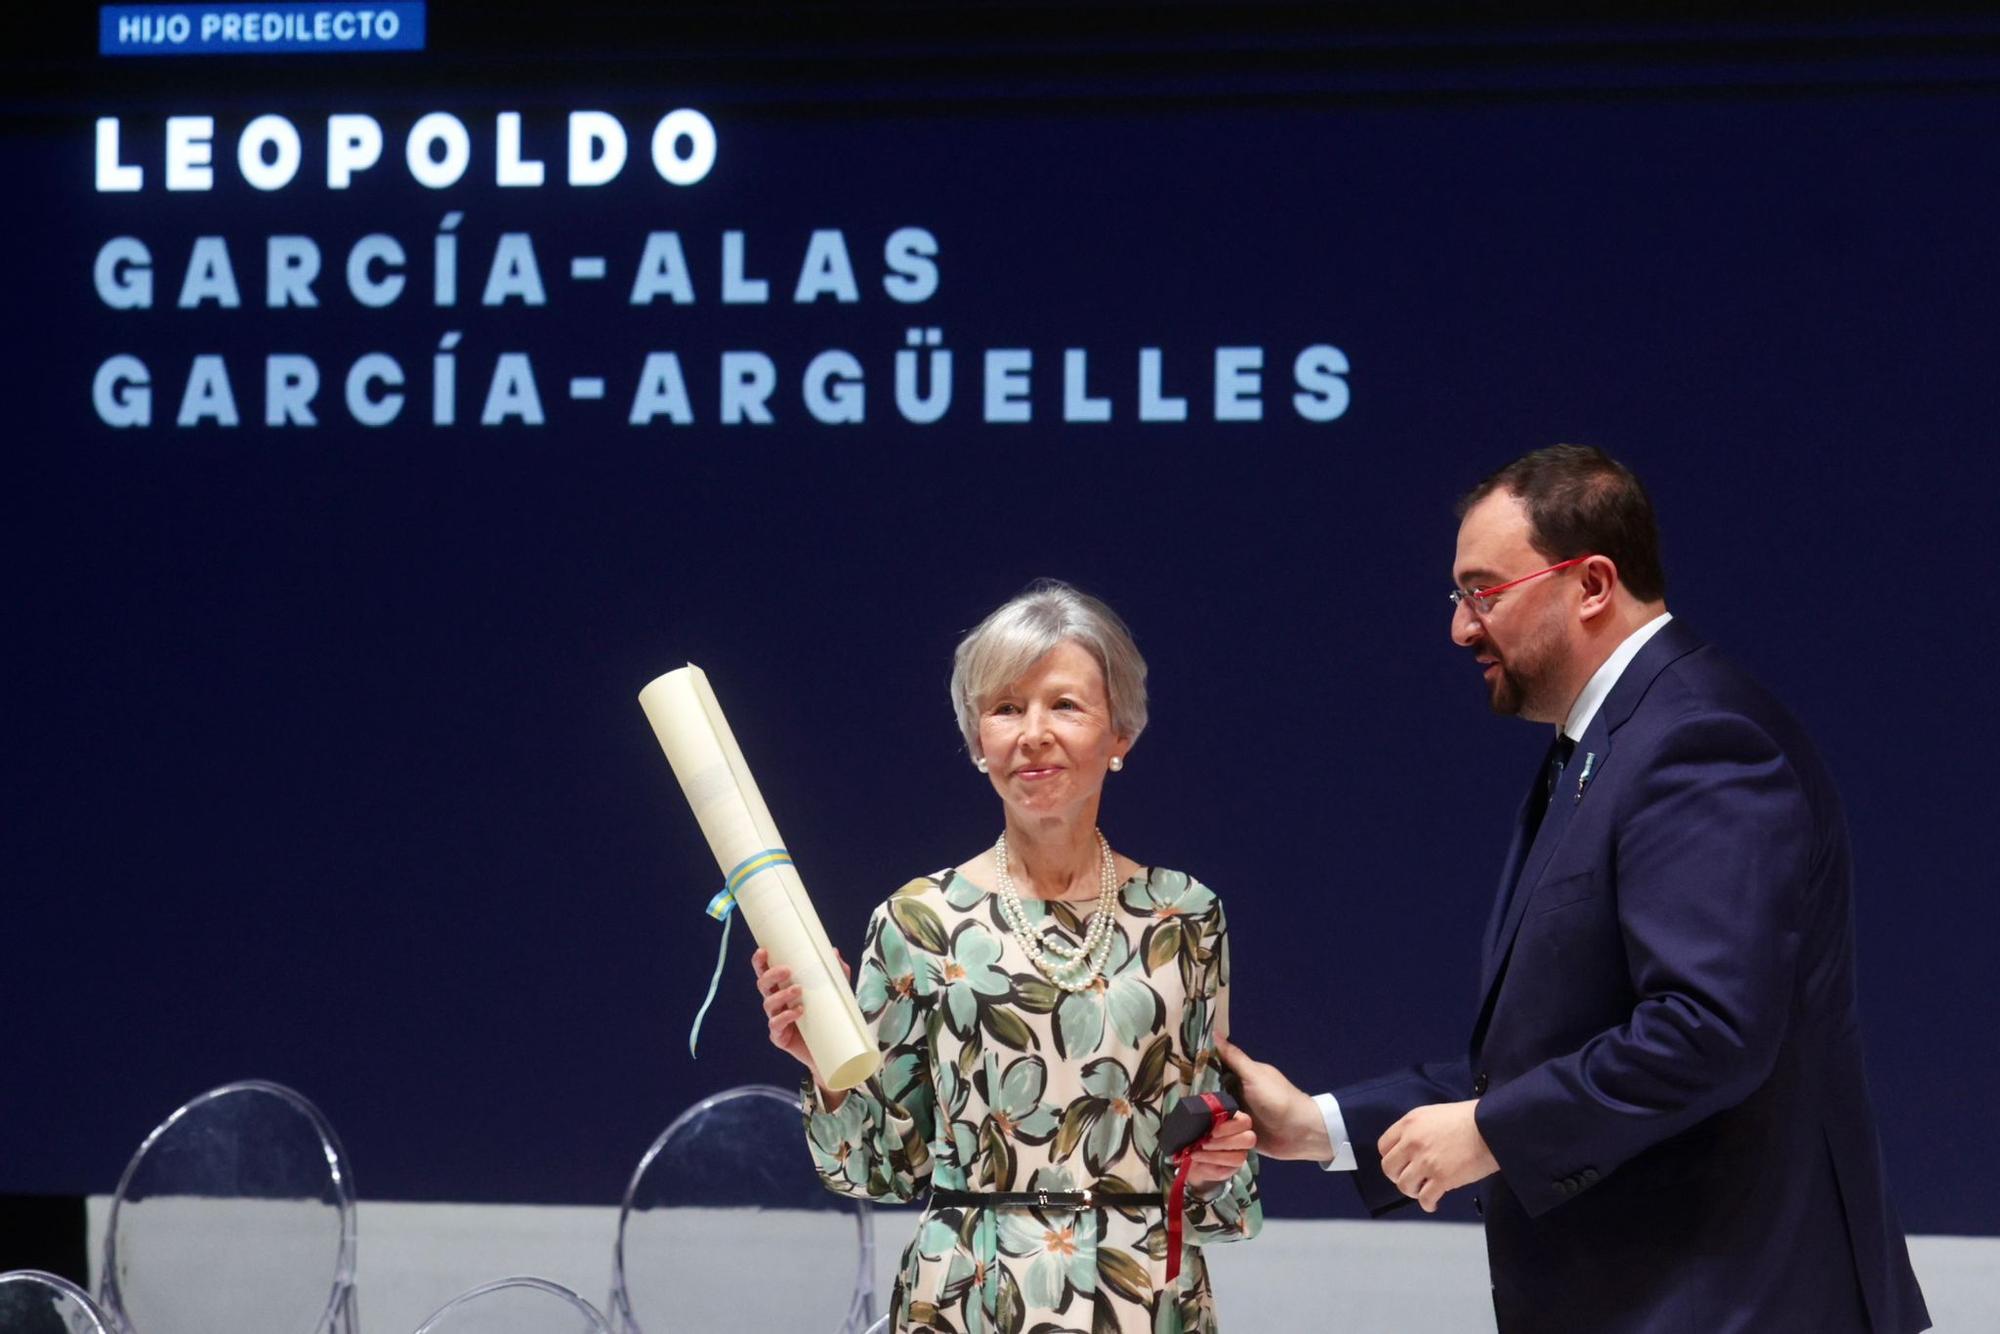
<point x="1535" y="859"/>
<point x="1510" y="870"/>
<point x="1673" y="641"/>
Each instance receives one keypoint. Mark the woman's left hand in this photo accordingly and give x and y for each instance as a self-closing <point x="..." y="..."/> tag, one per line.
<point x="1222" y="1155"/>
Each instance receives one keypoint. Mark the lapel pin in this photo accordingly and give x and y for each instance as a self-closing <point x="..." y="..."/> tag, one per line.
<point x="1582" y="779"/>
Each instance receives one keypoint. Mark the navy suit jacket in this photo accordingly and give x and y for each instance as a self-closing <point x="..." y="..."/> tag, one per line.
<point x="1667" y="1053"/>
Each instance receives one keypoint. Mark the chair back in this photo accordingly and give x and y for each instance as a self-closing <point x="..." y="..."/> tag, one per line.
<point x="726" y="1225"/>
<point x="236" y="1216"/>
<point x="32" y="1302"/>
<point x="521" y="1305"/>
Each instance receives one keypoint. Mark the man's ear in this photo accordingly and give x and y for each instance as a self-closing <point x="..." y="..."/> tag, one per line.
<point x="1598" y="580"/>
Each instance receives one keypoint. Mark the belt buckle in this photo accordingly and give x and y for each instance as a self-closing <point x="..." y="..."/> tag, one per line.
<point x="1041" y="1199"/>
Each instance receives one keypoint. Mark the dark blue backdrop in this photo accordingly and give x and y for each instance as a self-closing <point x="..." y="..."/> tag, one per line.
<point x="323" y="763"/>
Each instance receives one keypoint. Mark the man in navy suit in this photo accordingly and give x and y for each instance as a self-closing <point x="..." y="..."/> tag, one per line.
<point x="1662" y="1105"/>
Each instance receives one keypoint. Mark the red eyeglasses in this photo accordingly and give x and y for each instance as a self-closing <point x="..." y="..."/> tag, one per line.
<point x="1482" y="598"/>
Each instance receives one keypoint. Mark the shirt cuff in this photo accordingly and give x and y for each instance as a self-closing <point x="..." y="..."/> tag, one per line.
<point x="1336" y="1135"/>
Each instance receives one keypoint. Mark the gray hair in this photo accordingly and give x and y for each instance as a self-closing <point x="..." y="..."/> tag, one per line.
<point x="1007" y="643"/>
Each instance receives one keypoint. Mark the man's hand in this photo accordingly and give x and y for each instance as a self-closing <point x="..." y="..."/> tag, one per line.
<point x="1289" y="1124"/>
<point x="1435" y="1149"/>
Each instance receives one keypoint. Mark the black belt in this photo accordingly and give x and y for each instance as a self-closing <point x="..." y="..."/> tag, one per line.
<point x="1044" y="1199"/>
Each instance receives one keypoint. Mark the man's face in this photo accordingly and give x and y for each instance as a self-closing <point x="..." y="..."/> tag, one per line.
<point x="1521" y="644"/>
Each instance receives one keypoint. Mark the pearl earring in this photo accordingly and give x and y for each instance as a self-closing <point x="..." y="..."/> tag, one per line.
<point x="981" y="762"/>
<point x="1117" y="763"/>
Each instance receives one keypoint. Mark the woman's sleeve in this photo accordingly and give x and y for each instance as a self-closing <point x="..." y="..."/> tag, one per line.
<point x="876" y="1143"/>
<point x="1229" y="1210"/>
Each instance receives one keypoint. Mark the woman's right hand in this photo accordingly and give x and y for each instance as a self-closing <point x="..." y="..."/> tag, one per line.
<point x="784" y="1006"/>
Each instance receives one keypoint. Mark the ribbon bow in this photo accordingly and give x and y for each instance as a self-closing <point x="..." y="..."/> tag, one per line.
<point x="723" y="909"/>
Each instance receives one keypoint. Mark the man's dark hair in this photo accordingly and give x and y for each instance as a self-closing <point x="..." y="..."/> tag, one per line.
<point x="1582" y="501"/>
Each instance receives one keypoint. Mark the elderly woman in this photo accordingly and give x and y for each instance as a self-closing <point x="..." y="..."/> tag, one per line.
<point x="1039" y="1008"/>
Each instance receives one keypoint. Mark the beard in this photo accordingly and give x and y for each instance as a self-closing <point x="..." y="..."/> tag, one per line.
<point x="1526" y="681"/>
<point x="1509" y="692"/>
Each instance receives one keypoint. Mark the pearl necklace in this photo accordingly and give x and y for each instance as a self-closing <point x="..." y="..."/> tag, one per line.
<point x="1073" y="968"/>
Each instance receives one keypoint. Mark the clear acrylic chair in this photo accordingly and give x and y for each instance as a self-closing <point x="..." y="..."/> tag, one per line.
<point x="726" y="1192"/>
<point x="32" y="1302"/>
<point x="236" y="1216"/>
<point x="521" y="1305"/>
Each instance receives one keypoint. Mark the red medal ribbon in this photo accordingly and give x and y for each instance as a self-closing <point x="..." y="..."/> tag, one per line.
<point x="1177" y="1197"/>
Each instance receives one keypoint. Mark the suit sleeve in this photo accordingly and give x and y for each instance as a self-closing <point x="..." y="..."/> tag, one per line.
<point x="1371" y="1108"/>
<point x="1711" y="857"/>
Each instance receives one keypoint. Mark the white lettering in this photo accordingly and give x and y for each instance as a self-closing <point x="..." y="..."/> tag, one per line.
<point x="208" y="394"/>
<point x="736" y="289"/>
<point x="911" y="254"/>
<point x="514" y="273"/>
<point x="189" y="152"/>
<point x="353" y="143"/>
<point x="290" y="265"/>
<point x="438" y="149"/>
<point x="276" y="133"/>
<point x="826" y="270"/>
<point x="747" y="381"/>
<point x="511" y="169"/>
<point x="209" y="275"/>
<point x="1078" y="405"/>
<point x="290" y="382"/>
<point x="661" y="392"/>
<point x="375" y="368"/>
<point x="124" y="274"/>
<point x="1323" y="393"/>
<point x="512" y="392"/>
<point x="122" y="392"/>
<point x="113" y="175"/>
<point x="368" y="289"/>
<point x="438" y="129"/>
<point x="596" y="148"/>
<point x="662" y="269"/>
<point x="833" y="390"/>
<point x="1007" y="384"/>
<point x="1154" y="404"/>
<point x="1239" y="380"/>
<point x="675" y="168"/>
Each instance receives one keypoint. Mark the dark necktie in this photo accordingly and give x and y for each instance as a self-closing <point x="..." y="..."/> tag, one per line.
<point x="1552" y="769"/>
<point x="1553" y="763"/>
<point x="1559" y="757"/>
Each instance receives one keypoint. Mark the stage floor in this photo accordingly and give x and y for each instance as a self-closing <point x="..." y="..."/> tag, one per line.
<point x="1347" y="1277"/>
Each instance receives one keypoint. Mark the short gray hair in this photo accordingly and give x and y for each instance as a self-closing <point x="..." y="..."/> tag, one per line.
<point x="1011" y="640"/>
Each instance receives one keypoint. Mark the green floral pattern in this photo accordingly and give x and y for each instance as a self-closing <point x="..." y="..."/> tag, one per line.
<point x="994" y="1079"/>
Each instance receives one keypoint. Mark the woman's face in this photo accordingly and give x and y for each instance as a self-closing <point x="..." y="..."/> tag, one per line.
<point x="1047" y="738"/>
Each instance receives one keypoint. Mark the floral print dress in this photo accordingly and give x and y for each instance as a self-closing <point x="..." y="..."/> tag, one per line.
<point x="995" y="1079"/>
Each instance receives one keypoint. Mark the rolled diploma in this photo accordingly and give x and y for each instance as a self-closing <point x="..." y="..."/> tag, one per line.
<point x="737" y="824"/>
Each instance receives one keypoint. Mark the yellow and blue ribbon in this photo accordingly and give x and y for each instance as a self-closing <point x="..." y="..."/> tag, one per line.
<point x="723" y="909"/>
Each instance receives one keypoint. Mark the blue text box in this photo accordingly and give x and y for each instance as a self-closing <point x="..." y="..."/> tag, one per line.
<point x="259" y="29"/>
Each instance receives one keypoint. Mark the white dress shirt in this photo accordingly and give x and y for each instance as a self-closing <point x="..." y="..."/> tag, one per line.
<point x="1588" y="701"/>
<point x="1598" y="688"/>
